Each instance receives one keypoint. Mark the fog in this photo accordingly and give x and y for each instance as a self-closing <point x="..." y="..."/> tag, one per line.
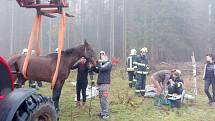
<point x="170" y="29"/>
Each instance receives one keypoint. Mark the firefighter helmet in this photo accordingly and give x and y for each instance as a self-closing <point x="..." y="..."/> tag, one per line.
<point x="33" y="52"/>
<point x="133" y="52"/>
<point x="102" y="52"/>
<point x="144" y="50"/>
<point x="25" y="50"/>
<point x="56" y="50"/>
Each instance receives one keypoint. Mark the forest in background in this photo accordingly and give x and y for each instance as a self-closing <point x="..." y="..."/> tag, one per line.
<point x="171" y="29"/>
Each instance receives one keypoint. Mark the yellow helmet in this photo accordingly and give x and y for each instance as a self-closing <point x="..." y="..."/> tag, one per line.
<point x="144" y="50"/>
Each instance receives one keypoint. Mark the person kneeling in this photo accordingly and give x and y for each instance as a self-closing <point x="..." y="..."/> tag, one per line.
<point x="175" y="87"/>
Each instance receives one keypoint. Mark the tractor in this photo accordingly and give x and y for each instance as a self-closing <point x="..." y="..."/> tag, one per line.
<point x="22" y="104"/>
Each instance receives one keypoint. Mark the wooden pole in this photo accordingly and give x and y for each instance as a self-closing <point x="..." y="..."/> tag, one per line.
<point x="194" y="82"/>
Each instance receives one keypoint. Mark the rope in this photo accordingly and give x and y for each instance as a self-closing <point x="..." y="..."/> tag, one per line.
<point x="60" y="46"/>
<point x="36" y="27"/>
<point x="38" y="36"/>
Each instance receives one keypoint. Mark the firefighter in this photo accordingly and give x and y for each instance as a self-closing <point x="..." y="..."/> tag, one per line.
<point x="141" y="70"/>
<point x="130" y="67"/>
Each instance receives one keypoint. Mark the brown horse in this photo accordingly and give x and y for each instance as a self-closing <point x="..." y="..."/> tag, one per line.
<point x="42" y="68"/>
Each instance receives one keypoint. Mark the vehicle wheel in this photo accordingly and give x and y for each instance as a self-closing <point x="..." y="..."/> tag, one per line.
<point x="36" y="108"/>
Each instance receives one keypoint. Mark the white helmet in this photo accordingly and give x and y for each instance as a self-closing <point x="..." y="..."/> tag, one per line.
<point x="56" y="50"/>
<point x="144" y="50"/>
<point x="102" y="52"/>
<point x="25" y="50"/>
<point x="133" y="52"/>
<point x="33" y="52"/>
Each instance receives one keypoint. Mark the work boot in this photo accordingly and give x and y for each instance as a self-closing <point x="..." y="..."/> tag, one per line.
<point x="156" y="100"/>
<point x="142" y="93"/>
<point x="99" y="114"/>
<point x="159" y="100"/>
<point x="83" y="105"/>
<point x="138" y="94"/>
<point x="130" y="85"/>
<point x="134" y="83"/>
<point x="17" y="85"/>
<point x="104" y="116"/>
<point x="39" y="84"/>
<point x="78" y="104"/>
<point x="210" y="102"/>
<point x="33" y="85"/>
<point x="213" y="104"/>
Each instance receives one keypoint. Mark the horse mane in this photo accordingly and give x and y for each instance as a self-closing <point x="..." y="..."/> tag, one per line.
<point x="73" y="50"/>
<point x="69" y="51"/>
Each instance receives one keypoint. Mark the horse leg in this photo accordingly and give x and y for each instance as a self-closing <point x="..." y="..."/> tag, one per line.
<point x="56" y="93"/>
<point x="17" y="76"/>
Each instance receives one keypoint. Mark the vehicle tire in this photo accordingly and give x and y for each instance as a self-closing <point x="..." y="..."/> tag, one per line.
<point x="36" y="108"/>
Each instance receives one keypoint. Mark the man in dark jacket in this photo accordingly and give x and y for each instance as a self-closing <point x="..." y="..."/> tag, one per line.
<point x="82" y="80"/>
<point x="103" y="69"/>
<point x="141" y="70"/>
<point x="209" y="77"/>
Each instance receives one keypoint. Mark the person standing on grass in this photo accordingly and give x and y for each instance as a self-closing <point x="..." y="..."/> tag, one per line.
<point x="82" y="80"/>
<point x="209" y="77"/>
<point x="131" y="59"/>
<point x="141" y="71"/>
<point x="103" y="69"/>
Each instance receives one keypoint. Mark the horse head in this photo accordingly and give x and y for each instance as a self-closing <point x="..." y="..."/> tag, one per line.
<point x="83" y="50"/>
<point x="89" y="53"/>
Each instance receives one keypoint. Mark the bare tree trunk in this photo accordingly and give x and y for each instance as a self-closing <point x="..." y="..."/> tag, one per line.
<point x="12" y="28"/>
<point x="97" y="24"/>
<point x="83" y="19"/>
<point x="124" y="31"/>
<point x="50" y="35"/>
<point x="112" y="30"/>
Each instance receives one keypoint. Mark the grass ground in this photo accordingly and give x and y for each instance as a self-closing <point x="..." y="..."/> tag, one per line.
<point x="124" y="106"/>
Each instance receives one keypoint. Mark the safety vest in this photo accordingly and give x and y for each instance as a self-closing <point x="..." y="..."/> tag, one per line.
<point x="130" y="62"/>
<point x="141" y="65"/>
